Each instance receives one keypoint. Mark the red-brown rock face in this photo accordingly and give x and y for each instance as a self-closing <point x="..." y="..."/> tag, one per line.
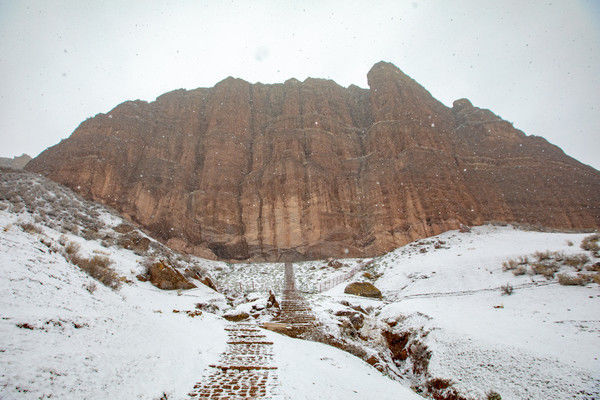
<point x="311" y="169"/>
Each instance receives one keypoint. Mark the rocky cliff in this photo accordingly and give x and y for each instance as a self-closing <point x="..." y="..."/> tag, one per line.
<point x="312" y="169"/>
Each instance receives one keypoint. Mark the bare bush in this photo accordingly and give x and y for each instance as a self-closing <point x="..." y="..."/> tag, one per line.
<point x="558" y="256"/>
<point x="520" y="270"/>
<point x="493" y="396"/>
<point x="545" y="269"/>
<point x="542" y="255"/>
<point x="591" y="243"/>
<point x="29" y="228"/>
<point x="523" y="260"/>
<point x="593" y="267"/>
<point x="576" y="261"/>
<point x="72" y="248"/>
<point x="509" y="265"/>
<point x="572" y="280"/>
<point x="98" y="267"/>
<point x="91" y="287"/>
<point x="507" y="289"/>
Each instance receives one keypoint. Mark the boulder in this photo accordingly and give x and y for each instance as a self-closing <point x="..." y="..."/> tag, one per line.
<point x="236" y="316"/>
<point x="165" y="277"/>
<point x="364" y="289"/>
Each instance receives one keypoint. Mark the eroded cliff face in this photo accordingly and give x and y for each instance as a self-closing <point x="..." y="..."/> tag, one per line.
<point x="311" y="169"/>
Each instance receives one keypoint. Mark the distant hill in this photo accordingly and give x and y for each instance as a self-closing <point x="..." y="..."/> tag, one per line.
<point x="16" y="162"/>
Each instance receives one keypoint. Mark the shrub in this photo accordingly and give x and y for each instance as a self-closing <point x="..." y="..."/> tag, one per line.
<point x="571" y="280"/>
<point x="520" y="270"/>
<point x="590" y="243"/>
<point x="123" y="228"/>
<point x="576" y="261"/>
<point x="593" y="267"/>
<point x="569" y="243"/>
<point x="509" y="265"/>
<point x="545" y="269"/>
<point x="558" y="256"/>
<point x="29" y="228"/>
<point x="62" y="240"/>
<point x="420" y="355"/>
<point x="72" y="248"/>
<point x="438" y="384"/>
<point x="98" y="267"/>
<point x="91" y="287"/>
<point x="493" y="396"/>
<point x="523" y="260"/>
<point x="69" y="227"/>
<point x="507" y="289"/>
<point x="90" y="234"/>
<point x="542" y="255"/>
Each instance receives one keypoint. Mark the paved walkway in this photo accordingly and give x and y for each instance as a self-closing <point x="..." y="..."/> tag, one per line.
<point x="295" y="311"/>
<point x="245" y="369"/>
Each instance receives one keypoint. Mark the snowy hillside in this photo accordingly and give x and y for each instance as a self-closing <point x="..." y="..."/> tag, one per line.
<point x="66" y="335"/>
<point x="540" y="342"/>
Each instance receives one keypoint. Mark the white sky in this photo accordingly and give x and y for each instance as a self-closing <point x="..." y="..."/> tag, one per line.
<point x="535" y="63"/>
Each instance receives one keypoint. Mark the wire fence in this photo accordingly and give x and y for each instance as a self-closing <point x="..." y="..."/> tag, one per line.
<point x="303" y="287"/>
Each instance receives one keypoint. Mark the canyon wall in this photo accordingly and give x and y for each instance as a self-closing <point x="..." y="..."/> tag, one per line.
<point x="311" y="169"/>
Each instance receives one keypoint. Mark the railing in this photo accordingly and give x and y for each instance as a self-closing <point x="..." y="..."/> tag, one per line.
<point x="336" y="280"/>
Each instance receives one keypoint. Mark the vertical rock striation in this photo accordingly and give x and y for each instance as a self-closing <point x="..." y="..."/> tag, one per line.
<point x="311" y="169"/>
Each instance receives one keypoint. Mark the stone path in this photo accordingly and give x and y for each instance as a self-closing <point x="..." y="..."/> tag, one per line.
<point x="295" y="311"/>
<point x="245" y="369"/>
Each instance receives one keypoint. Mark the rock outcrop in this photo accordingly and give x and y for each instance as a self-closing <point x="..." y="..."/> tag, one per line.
<point x="311" y="169"/>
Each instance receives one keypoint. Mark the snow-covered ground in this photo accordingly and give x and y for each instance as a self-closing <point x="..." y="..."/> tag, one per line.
<point x="105" y="344"/>
<point x="309" y="370"/>
<point x="64" y="335"/>
<point x="541" y="342"/>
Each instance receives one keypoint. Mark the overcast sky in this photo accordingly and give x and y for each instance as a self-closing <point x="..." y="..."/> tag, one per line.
<point x="536" y="64"/>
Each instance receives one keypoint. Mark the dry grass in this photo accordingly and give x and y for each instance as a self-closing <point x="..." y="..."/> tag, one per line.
<point x="593" y="267"/>
<point x="72" y="248"/>
<point x="29" y="228"/>
<point x="547" y="269"/>
<point x="509" y="265"/>
<point x="438" y="384"/>
<point x="576" y="261"/>
<point x="520" y="270"/>
<point x="543" y="255"/>
<point x="98" y="267"/>
<point x="507" y="289"/>
<point x="591" y="243"/>
<point x="572" y="280"/>
<point x="523" y="260"/>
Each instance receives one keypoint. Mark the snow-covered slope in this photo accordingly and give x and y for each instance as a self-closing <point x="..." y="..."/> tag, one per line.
<point x="60" y="340"/>
<point x="541" y="342"/>
<point x="64" y="335"/>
